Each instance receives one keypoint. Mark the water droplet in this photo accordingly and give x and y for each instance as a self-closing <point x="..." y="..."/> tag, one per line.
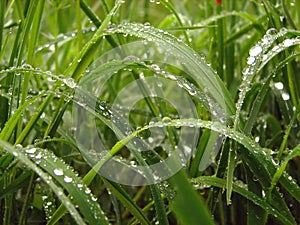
<point x="271" y="31"/>
<point x="251" y="60"/>
<point x="131" y="58"/>
<point x="166" y="119"/>
<point x="68" y="179"/>
<point x="147" y="25"/>
<point x="285" y="96"/>
<point x="58" y="172"/>
<point x="31" y="150"/>
<point x="279" y="85"/>
<point x="70" y="82"/>
<point x="256" y="50"/>
<point x="288" y="42"/>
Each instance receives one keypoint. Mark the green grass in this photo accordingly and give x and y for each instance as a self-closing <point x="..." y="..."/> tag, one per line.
<point x="149" y="112"/>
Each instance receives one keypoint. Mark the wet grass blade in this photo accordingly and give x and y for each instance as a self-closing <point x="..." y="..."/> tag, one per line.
<point x="19" y="153"/>
<point x="242" y="190"/>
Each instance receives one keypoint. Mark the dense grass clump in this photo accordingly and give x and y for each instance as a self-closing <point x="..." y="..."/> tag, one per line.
<point x="149" y="112"/>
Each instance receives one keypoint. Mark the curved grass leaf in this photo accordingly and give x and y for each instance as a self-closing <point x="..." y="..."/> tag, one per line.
<point x="242" y="190"/>
<point x="80" y="194"/>
<point x="19" y="153"/>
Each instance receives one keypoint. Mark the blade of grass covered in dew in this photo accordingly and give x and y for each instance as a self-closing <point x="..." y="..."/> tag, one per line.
<point x="256" y="67"/>
<point x="19" y="153"/>
<point x="63" y="174"/>
<point x="242" y="190"/>
<point x="262" y="94"/>
<point x="285" y="139"/>
<point x="253" y="210"/>
<point x="170" y="7"/>
<point x="88" y="179"/>
<point x="294" y="153"/>
<point x="274" y="17"/>
<point x="114" y="188"/>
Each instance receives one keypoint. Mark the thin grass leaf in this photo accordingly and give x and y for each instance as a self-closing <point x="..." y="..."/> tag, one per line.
<point x="127" y="201"/>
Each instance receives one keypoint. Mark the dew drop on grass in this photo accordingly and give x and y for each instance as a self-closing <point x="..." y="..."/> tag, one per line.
<point x="256" y="50"/>
<point x="58" y="172"/>
<point x="131" y="58"/>
<point x="285" y="96"/>
<point x="251" y="60"/>
<point x="288" y="42"/>
<point x="279" y="85"/>
<point x="68" y="179"/>
<point x="69" y="82"/>
<point x="31" y="150"/>
<point x="166" y="120"/>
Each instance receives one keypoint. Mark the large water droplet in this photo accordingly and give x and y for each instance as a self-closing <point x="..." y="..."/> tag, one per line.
<point x="31" y="150"/>
<point x="279" y="85"/>
<point x="68" y="179"/>
<point x="256" y="50"/>
<point x="70" y="82"/>
<point x="285" y="96"/>
<point x="288" y="42"/>
<point x="58" y="172"/>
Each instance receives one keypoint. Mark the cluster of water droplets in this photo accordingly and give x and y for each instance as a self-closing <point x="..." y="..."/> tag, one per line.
<point x="64" y="38"/>
<point x="48" y="160"/>
<point x="259" y="55"/>
<point x="145" y="31"/>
